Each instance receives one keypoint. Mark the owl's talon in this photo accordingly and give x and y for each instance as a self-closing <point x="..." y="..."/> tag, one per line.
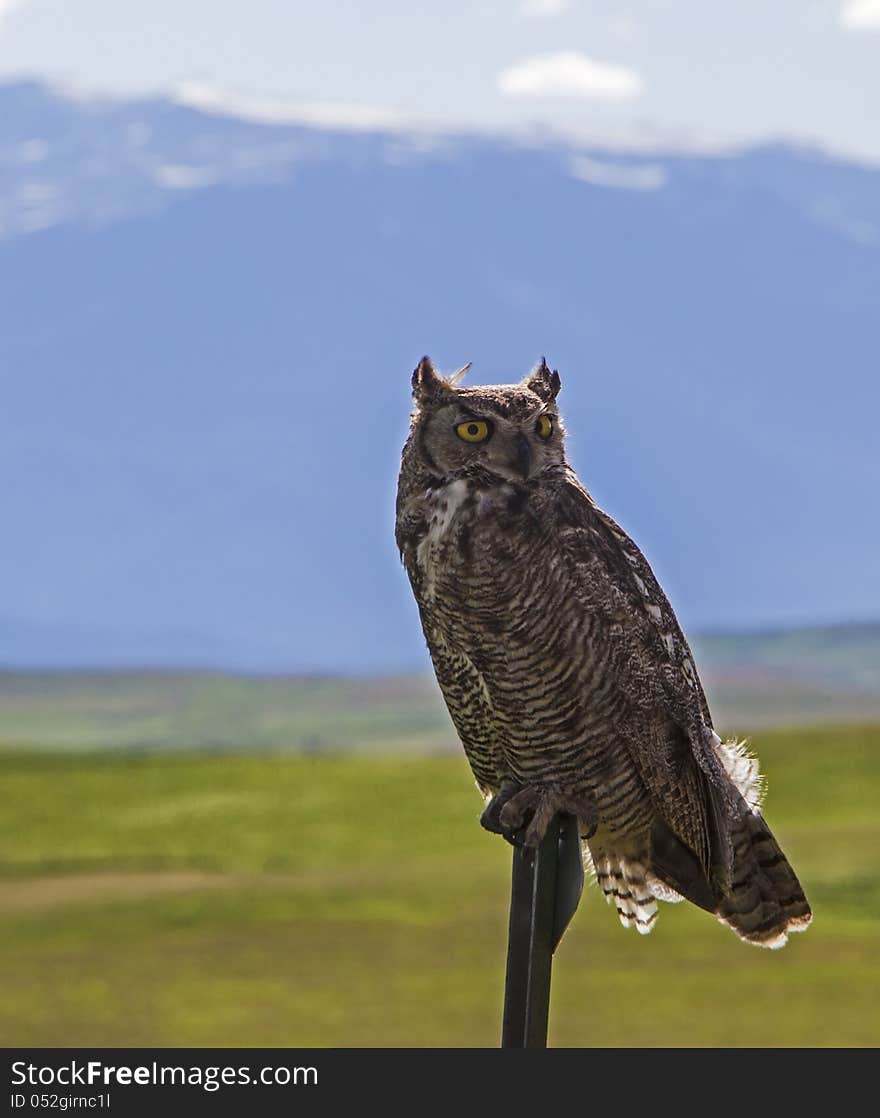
<point x="526" y="807"/>
<point x="491" y="817"/>
<point x="534" y="808"/>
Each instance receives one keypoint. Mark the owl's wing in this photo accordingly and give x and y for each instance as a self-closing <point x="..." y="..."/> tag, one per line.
<point x="678" y="754"/>
<point x="653" y="662"/>
<point x="622" y="584"/>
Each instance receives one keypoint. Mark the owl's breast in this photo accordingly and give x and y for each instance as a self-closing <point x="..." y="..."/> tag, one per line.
<point x="498" y="592"/>
<point x="471" y="543"/>
<point x="465" y="522"/>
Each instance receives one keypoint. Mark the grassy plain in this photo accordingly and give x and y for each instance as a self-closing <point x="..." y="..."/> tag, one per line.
<point x="271" y="899"/>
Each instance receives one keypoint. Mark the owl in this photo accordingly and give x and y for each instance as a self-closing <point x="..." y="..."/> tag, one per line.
<point x="567" y="676"/>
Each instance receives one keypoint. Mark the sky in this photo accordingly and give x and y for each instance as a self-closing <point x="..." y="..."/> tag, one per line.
<point x="695" y="72"/>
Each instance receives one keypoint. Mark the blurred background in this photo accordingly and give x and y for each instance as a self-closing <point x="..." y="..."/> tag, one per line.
<point x="234" y="808"/>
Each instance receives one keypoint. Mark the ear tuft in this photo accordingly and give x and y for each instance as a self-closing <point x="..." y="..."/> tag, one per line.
<point x="429" y="385"/>
<point x="543" y="381"/>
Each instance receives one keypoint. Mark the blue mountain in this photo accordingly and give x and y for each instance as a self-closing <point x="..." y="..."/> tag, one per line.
<point x="207" y="328"/>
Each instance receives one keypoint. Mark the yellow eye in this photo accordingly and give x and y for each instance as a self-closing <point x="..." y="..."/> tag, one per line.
<point x="544" y="426"/>
<point x="473" y="431"/>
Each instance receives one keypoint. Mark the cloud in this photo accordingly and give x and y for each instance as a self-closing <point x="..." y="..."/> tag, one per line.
<point x="6" y="6"/>
<point x="265" y="110"/>
<point x="180" y="176"/>
<point x="569" y="74"/>
<point x="624" y="27"/>
<point x="861" y="15"/>
<point x="620" y="176"/>
<point x="542" y="9"/>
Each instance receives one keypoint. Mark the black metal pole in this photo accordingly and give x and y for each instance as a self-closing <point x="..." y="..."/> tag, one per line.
<point x="545" y="890"/>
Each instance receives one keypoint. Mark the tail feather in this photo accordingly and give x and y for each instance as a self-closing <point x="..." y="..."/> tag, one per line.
<point x="742" y="877"/>
<point x="761" y="901"/>
<point x="625" y="882"/>
<point x="765" y="902"/>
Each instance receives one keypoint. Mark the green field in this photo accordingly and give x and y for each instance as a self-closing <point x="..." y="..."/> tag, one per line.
<point x="270" y="899"/>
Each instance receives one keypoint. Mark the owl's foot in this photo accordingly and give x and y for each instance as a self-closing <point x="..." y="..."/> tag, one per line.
<point x="526" y="816"/>
<point x="491" y="817"/>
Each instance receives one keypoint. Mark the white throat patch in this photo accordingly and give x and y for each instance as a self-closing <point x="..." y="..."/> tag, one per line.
<point x="444" y="504"/>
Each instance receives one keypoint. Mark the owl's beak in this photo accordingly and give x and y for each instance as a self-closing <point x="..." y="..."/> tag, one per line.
<point x="523" y="460"/>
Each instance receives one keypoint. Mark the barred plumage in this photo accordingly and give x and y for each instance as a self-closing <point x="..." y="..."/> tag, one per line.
<point x="567" y="676"/>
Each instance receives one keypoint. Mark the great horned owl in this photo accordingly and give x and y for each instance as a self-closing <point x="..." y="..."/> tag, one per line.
<point x="567" y="676"/>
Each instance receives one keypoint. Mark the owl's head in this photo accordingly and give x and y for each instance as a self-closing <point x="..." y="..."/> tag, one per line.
<point x="510" y="431"/>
